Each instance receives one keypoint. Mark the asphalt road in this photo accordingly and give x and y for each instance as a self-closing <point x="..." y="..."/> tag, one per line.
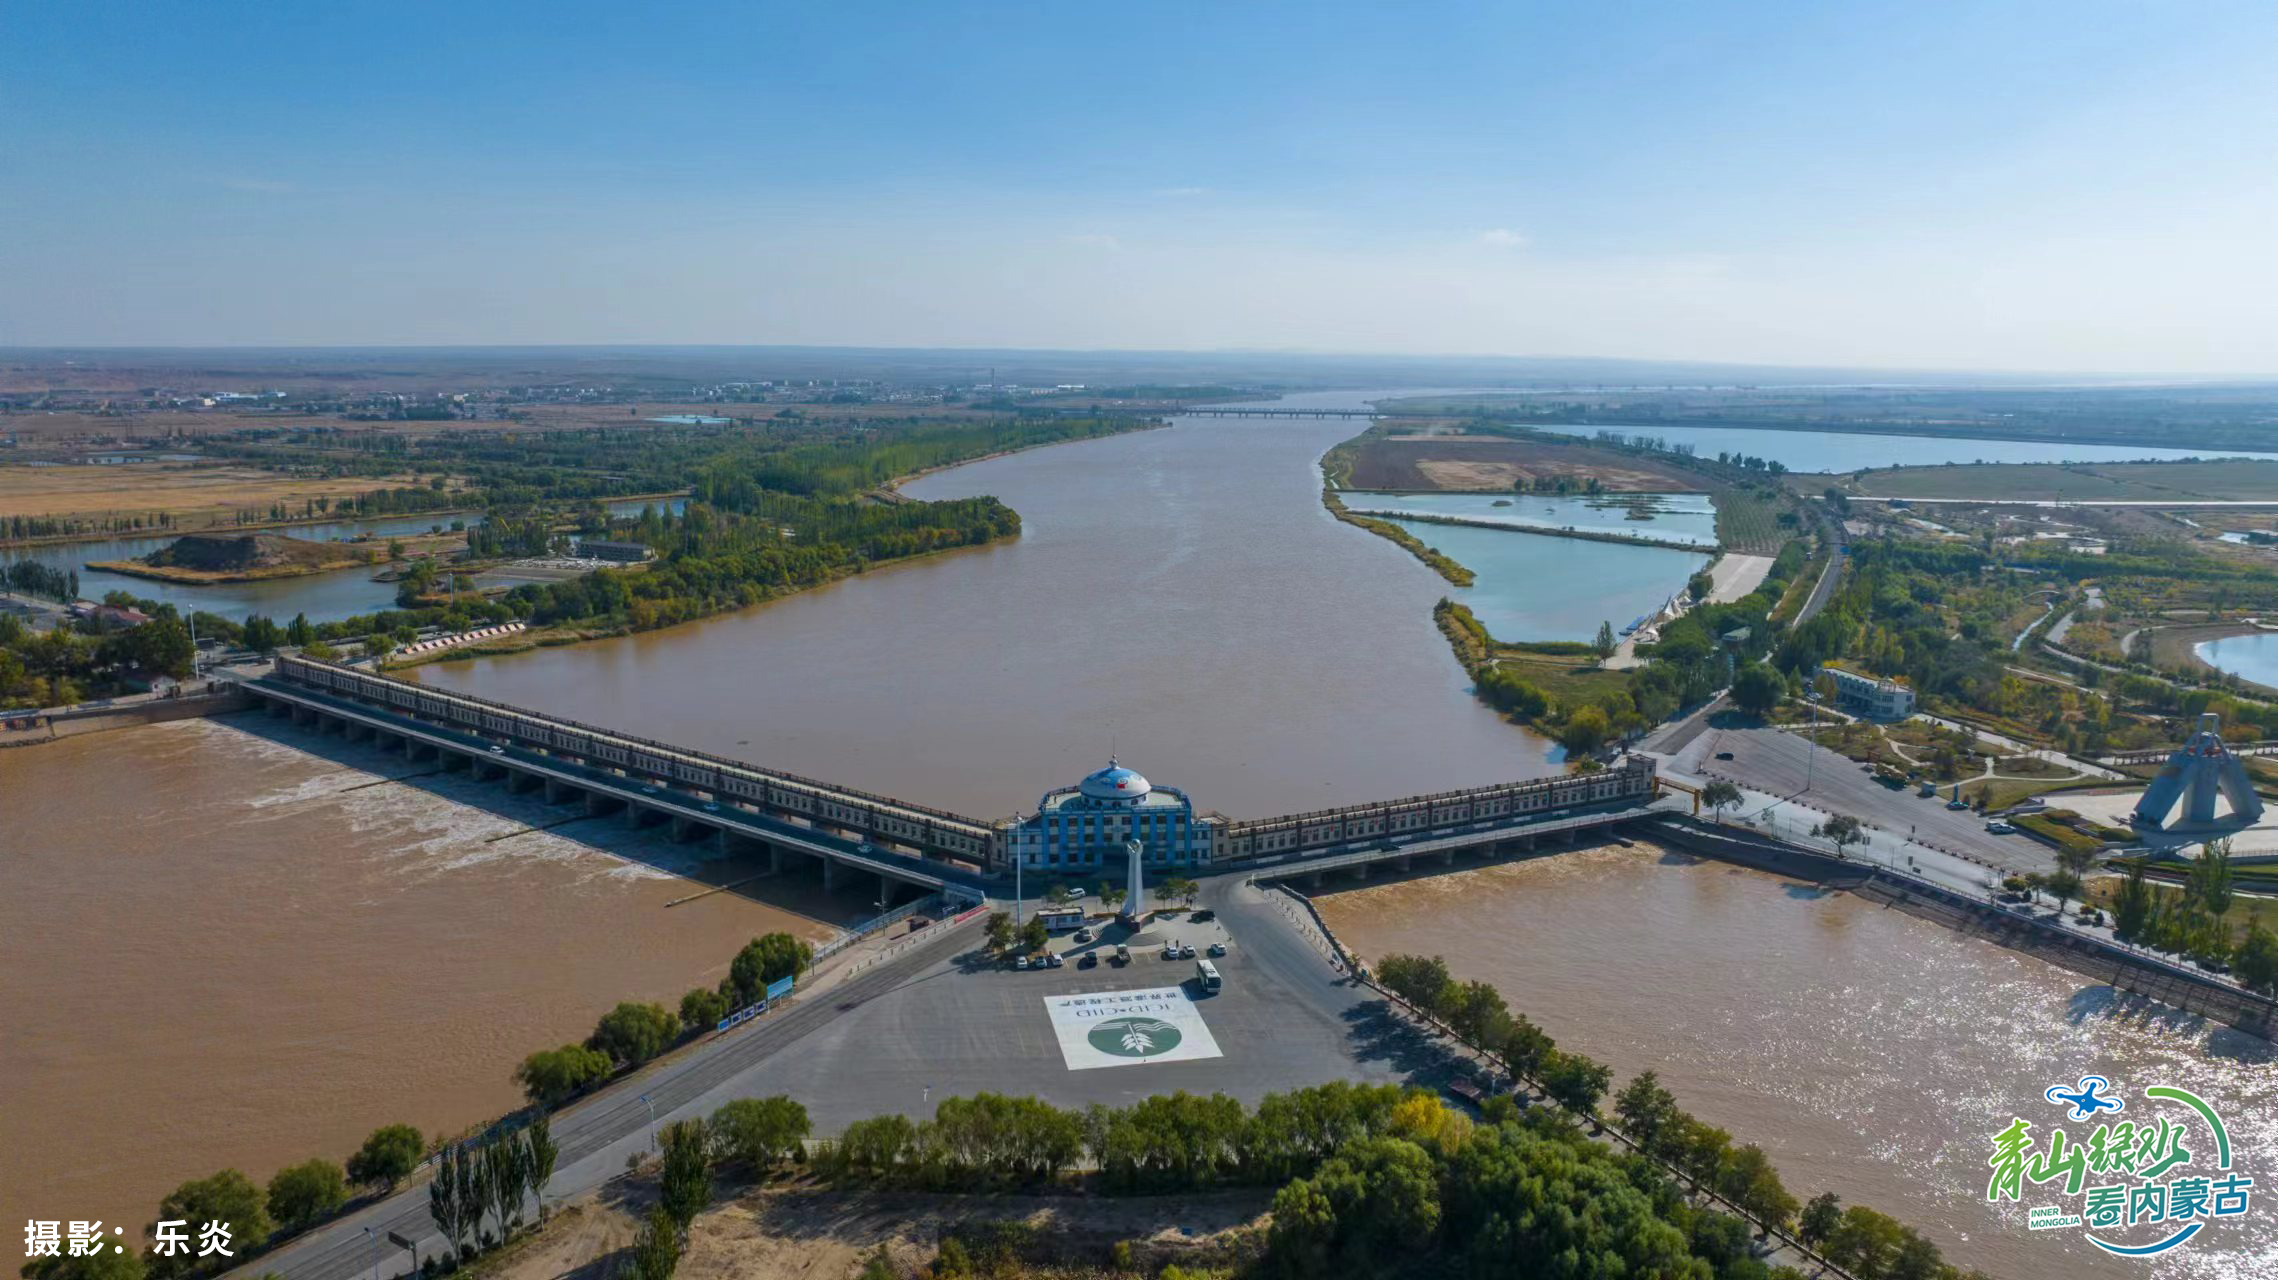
<point x="1779" y="763"/>
<point x="938" y="1021"/>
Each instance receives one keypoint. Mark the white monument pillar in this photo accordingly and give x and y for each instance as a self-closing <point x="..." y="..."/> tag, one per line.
<point x="1134" y="901"/>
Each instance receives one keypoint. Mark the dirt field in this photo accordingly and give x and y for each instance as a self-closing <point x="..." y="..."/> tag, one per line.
<point x="1478" y="463"/>
<point x="184" y="489"/>
<point x="804" y="1232"/>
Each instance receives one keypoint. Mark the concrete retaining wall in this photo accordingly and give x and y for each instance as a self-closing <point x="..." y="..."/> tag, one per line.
<point x="72" y="723"/>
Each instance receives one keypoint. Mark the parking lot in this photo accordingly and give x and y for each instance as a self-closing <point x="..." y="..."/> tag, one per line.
<point x="1779" y="764"/>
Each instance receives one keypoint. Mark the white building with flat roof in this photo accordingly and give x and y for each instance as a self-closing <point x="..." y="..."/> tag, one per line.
<point x="1873" y="697"/>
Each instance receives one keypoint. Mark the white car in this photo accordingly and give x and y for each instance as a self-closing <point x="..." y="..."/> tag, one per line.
<point x="2000" y="828"/>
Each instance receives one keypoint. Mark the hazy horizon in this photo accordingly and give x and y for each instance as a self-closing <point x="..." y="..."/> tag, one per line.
<point x="1922" y="187"/>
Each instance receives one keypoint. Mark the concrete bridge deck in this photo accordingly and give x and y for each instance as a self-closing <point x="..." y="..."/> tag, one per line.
<point x="1489" y="839"/>
<point x="692" y="816"/>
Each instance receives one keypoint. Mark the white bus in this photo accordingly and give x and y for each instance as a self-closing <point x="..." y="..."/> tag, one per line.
<point x="1061" y="919"/>
<point x="1206" y="974"/>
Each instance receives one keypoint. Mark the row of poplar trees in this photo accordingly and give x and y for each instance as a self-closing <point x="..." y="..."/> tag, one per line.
<point x="492" y="1181"/>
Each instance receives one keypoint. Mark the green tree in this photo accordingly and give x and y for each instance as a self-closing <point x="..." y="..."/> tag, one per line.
<point x="2132" y="906"/>
<point x="388" y="1156"/>
<point x="1699" y="585"/>
<point x="261" y="635"/>
<point x="304" y="1193"/>
<point x="1841" y="830"/>
<point x="100" y="1265"/>
<point x="633" y="1033"/>
<point x="1524" y="1047"/>
<point x="758" y="1131"/>
<point x="1605" y="643"/>
<point x="702" y="1009"/>
<point x="229" y="1198"/>
<point x="998" y="930"/>
<point x="2257" y="959"/>
<point x="1757" y="688"/>
<point x="1585" y="731"/>
<point x="1418" y="980"/>
<point x="763" y="960"/>
<point x="2211" y="878"/>
<point x="550" y="1075"/>
<point x="1819" y="1219"/>
<point x="1033" y="934"/>
<point x="1648" y="1112"/>
<point x="656" y="1250"/>
<point x="539" y="1151"/>
<point x="1577" y="1082"/>
<point x="299" y="633"/>
<point x="1719" y="796"/>
<point x="684" y="1184"/>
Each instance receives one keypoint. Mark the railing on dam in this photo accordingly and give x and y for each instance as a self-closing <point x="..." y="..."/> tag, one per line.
<point x="1436" y="814"/>
<point x="932" y="831"/>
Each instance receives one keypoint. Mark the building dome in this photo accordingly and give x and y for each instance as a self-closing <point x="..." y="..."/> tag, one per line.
<point x="1115" y="783"/>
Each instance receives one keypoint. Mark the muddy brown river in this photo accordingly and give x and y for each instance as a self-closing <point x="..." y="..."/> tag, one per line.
<point x="1868" y="1052"/>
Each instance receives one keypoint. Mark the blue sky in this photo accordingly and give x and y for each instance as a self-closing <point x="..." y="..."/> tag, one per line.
<point x="2082" y="186"/>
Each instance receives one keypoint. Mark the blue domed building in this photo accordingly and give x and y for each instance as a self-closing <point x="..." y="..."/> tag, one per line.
<point x="1083" y="828"/>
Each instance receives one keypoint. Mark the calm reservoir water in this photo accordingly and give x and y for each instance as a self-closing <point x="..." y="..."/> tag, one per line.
<point x="1868" y="1052"/>
<point x="1677" y="517"/>
<point x="324" y="597"/>
<point x="2250" y="657"/>
<point x="1531" y="587"/>
<point x="1178" y="596"/>
<point x="1853" y="451"/>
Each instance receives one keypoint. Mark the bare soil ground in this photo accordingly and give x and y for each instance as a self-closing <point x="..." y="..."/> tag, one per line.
<point x="802" y="1231"/>
<point x="1478" y="463"/>
<point x="183" y="488"/>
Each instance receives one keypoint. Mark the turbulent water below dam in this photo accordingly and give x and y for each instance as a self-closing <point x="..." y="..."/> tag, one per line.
<point x="1870" y="1053"/>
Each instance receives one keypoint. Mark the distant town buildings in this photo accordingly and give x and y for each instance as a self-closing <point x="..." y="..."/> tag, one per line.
<point x="1085" y="828"/>
<point x="1872" y="697"/>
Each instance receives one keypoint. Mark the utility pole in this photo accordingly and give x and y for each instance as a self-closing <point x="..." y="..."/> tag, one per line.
<point x="1811" y="699"/>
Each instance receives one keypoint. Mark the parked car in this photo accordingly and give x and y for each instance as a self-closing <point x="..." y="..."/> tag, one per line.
<point x="1122" y="955"/>
<point x="1170" y="951"/>
<point x="1084" y="934"/>
<point x="1089" y="960"/>
<point x="1052" y="960"/>
<point x="1217" y="948"/>
<point x="1724" y="755"/>
<point x="1204" y="916"/>
<point x="2000" y="828"/>
<point x="1020" y="962"/>
<point x="1186" y="951"/>
<point x="1958" y="805"/>
<point x="1926" y="790"/>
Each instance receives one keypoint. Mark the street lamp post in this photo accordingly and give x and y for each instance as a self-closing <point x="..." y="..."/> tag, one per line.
<point x="374" y="1241"/>
<point x="1811" y="699"/>
<point x="652" y="1106"/>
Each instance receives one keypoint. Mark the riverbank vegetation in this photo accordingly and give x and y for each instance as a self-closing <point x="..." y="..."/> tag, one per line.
<point x="1365" y="1181"/>
<point x="1584" y="704"/>
<point x="772" y="510"/>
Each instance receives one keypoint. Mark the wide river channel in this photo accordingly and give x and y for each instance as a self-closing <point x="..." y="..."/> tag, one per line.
<point x="235" y="943"/>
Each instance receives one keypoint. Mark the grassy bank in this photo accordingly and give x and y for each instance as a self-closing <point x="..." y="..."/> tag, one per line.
<point x="1440" y="563"/>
